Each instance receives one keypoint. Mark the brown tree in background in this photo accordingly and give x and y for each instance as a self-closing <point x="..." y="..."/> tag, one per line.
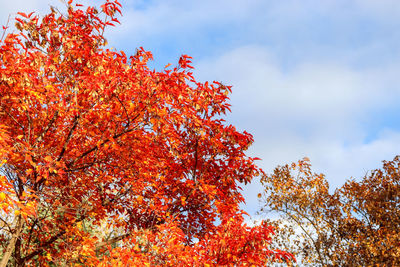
<point x="356" y="225"/>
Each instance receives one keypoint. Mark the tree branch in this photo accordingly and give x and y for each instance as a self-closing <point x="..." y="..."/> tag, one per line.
<point x="111" y="241"/>
<point x="76" y="120"/>
<point x="40" y="137"/>
<point x="11" y="245"/>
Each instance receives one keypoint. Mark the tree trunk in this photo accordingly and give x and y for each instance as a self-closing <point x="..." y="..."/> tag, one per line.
<point x="11" y="245"/>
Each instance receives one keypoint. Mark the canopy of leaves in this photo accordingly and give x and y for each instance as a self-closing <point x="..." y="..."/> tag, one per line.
<point x="357" y="225"/>
<point x="107" y="162"/>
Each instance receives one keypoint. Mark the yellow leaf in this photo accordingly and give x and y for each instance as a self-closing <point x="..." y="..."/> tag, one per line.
<point x="2" y="196"/>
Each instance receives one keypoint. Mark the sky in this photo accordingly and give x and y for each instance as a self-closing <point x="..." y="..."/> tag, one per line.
<point x="311" y="78"/>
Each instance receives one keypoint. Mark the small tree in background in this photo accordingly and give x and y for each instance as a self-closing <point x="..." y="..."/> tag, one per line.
<point x="91" y="138"/>
<point x="357" y="225"/>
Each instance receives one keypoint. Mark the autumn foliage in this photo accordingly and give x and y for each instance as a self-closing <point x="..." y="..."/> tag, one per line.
<point x="105" y="162"/>
<point x="356" y="225"/>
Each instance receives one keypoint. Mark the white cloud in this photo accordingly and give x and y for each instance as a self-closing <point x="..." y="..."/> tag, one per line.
<point x="314" y="110"/>
<point x="323" y="93"/>
<point x="179" y="17"/>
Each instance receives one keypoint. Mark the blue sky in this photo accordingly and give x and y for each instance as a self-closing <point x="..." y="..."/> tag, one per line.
<point x="310" y="78"/>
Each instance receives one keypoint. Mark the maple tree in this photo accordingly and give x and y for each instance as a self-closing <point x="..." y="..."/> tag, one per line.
<point x="105" y="162"/>
<point x="356" y="225"/>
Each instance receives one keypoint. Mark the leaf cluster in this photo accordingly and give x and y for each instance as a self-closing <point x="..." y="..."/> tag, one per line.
<point x="93" y="139"/>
